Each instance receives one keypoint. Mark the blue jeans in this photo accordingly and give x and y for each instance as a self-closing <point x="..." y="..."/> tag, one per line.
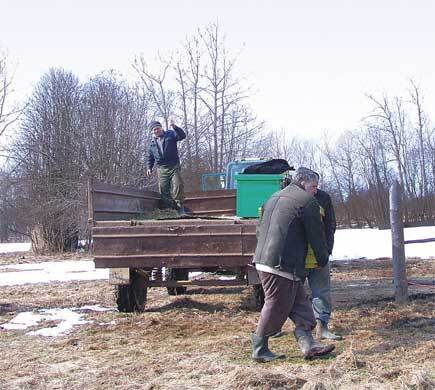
<point x="319" y="280"/>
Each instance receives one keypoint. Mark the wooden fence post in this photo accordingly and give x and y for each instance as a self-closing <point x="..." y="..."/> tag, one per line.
<point x="398" y="244"/>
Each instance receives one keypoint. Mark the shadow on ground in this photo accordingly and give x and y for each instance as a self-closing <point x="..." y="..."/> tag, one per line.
<point x="187" y="303"/>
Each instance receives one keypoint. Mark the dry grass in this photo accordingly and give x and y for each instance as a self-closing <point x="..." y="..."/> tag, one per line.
<point x="201" y="340"/>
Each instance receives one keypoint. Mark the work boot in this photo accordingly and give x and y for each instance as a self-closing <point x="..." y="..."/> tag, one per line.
<point x="322" y="332"/>
<point x="260" y="350"/>
<point x="183" y="212"/>
<point x="309" y="347"/>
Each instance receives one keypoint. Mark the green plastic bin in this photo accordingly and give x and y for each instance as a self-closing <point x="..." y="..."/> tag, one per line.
<point x="253" y="190"/>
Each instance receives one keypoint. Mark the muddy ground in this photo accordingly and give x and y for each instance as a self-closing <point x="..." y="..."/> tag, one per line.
<point x="201" y="340"/>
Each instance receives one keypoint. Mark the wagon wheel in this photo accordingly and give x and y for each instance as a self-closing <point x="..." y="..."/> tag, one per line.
<point x="176" y="274"/>
<point x="132" y="297"/>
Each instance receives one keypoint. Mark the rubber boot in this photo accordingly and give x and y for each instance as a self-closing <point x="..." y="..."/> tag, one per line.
<point x="309" y="347"/>
<point x="322" y="332"/>
<point x="260" y="350"/>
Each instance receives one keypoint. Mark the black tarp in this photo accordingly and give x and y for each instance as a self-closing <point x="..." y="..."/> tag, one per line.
<point x="274" y="166"/>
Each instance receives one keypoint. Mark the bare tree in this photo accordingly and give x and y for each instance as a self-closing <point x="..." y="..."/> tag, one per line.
<point x="328" y="151"/>
<point x="189" y="80"/>
<point x="9" y="112"/>
<point x="223" y="96"/>
<point x="9" y="115"/>
<point x="114" y="133"/>
<point x="71" y="132"/>
<point x="392" y="121"/>
<point x="423" y="150"/>
<point x="155" y="85"/>
<point x="49" y="165"/>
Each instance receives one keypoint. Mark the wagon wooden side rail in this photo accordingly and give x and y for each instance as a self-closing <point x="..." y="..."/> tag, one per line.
<point x="184" y="243"/>
<point x="161" y="253"/>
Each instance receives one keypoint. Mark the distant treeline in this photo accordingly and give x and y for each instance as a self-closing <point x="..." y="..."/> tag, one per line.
<point x="70" y="130"/>
<point x="396" y="141"/>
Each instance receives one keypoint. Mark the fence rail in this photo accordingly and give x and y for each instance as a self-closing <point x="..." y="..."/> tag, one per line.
<point x="420" y="241"/>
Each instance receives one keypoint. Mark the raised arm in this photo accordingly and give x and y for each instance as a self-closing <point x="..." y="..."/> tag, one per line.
<point x="179" y="132"/>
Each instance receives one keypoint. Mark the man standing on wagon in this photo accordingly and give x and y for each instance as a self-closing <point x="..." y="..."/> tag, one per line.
<point x="163" y="152"/>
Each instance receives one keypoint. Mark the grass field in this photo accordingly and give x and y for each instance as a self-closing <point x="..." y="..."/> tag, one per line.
<point x="201" y="340"/>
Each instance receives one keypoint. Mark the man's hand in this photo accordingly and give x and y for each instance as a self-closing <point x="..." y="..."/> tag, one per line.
<point x="149" y="171"/>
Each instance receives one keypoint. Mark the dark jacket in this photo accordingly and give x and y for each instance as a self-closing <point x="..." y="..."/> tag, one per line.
<point x="169" y="156"/>
<point x="291" y="220"/>
<point x="329" y="221"/>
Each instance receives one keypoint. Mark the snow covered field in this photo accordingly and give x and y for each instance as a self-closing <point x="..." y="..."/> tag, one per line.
<point x="375" y="244"/>
<point x="349" y="244"/>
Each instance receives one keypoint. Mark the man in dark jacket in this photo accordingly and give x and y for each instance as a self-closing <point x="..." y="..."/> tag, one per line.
<point x="291" y="220"/>
<point x="319" y="279"/>
<point x="163" y="152"/>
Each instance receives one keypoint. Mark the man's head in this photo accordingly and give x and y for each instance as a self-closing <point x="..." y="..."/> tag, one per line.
<point x="306" y="179"/>
<point x="156" y="128"/>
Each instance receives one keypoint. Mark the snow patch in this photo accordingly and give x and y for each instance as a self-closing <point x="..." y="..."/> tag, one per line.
<point x="66" y="319"/>
<point x="8" y="247"/>
<point x="23" y="321"/>
<point x="93" y="308"/>
<point x="51" y="271"/>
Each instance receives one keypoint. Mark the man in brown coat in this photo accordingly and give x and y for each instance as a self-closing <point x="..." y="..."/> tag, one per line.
<point x="291" y="220"/>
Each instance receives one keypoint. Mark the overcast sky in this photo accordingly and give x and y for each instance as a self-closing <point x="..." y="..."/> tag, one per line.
<point x="310" y="62"/>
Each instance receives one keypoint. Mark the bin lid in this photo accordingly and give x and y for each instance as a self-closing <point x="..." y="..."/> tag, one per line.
<point x="258" y="177"/>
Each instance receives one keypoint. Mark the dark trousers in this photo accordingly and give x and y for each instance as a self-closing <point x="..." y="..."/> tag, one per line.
<point x="171" y="185"/>
<point x="284" y="298"/>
